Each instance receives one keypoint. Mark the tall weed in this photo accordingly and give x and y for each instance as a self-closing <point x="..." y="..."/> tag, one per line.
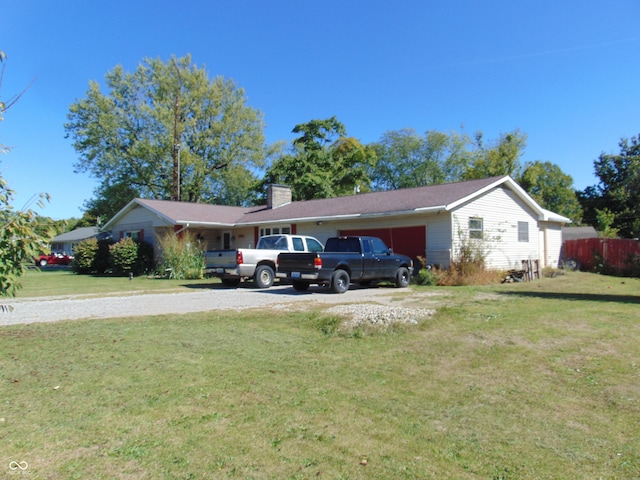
<point x="181" y="258"/>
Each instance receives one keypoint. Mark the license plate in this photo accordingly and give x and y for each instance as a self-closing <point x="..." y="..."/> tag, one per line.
<point x="295" y="274"/>
<point x="219" y="270"/>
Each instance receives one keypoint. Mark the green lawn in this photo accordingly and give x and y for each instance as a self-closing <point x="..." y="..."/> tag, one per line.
<point x="535" y="380"/>
<point x="56" y="281"/>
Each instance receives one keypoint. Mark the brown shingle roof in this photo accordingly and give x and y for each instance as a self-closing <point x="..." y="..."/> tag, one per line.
<point x="185" y="212"/>
<point x="406" y="200"/>
<point x="374" y="203"/>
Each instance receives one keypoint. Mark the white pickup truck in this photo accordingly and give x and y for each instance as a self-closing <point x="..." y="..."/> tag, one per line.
<point x="259" y="264"/>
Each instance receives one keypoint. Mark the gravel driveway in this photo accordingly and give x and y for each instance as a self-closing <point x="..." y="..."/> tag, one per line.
<point x="52" y="309"/>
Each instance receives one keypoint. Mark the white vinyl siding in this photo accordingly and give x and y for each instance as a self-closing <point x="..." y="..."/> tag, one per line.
<point x="501" y="211"/>
<point x="550" y="243"/>
<point x="439" y="237"/>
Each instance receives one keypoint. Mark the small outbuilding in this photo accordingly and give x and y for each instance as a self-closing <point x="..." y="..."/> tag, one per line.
<point x="432" y="222"/>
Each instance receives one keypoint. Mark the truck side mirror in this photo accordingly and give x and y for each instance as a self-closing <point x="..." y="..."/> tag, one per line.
<point x="389" y="251"/>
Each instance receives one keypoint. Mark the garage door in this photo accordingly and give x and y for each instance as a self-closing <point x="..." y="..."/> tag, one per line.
<point x="410" y="241"/>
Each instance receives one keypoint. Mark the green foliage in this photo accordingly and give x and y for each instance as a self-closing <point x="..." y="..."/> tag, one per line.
<point x="234" y="186"/>
<point x="163" y="131"/>
<point x="497" y="159"/>
<point x="551" y="188"/>
<point x="426" y="276"/>
<point x="324" y="162"/>
<point x="22" y="237"/>
<point x="123" y="256"/>
<point x="181" y="257"/>
<point x="605" y="220"/>
<point x="618" y="191"/>
<point x="108" y="200"/>
<point x="145" y="261"/>
<point x="84" y="256"/>
<point x="106" y="256"/>
<point x="404" y="159"/>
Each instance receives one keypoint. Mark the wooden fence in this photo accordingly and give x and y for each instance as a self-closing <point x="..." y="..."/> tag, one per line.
<point x="598" y="254"/>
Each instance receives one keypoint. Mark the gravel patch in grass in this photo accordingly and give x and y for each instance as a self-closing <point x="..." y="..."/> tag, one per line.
<point x="359" y="315"/>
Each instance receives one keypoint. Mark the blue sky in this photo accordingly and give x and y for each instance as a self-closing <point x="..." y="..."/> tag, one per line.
<point x="566" y="73"/>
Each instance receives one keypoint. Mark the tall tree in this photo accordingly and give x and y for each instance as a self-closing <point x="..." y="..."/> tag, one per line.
<point x="617" y="195"/>
<point x="108" y="200"/>
<point x="551" y="188"/>
<point x="324" y="162"/>
<point x="405" y="159"/>
<point x="165" y="130"/>
<point x="500" y="158"/>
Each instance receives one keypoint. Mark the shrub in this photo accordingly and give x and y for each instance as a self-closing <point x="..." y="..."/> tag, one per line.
<point x="123" y="256"/>
<point x="102" y="260"/>
<point x="181" y="257"/>
<point x="131" y="256"/>
<point x="144" y="261"/>
<point x="426" y="276"/>
<point x="84" y="256"/>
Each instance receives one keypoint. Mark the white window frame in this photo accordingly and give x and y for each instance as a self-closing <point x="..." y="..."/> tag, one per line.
<point x="275" y="230"/>
<point x="523" y="232"/>
<point x="476" y="228"/>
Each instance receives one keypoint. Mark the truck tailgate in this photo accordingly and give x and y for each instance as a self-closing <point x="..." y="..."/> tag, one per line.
<point x="220" y="259"/>
<point x="296" y="262"/>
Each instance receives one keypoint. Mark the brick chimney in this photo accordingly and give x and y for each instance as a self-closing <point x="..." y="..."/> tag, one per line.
<point x="278" y="195"/>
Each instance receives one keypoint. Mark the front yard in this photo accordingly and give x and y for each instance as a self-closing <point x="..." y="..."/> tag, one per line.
<point x="529" y="380"/>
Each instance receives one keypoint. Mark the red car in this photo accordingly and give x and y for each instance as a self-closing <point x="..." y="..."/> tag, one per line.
<point x="53" y="259"/>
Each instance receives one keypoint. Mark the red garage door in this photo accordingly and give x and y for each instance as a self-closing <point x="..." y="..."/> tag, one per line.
<point x="410" y="241"/>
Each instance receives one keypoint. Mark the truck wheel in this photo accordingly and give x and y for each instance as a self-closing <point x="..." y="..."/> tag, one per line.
<point x="43" y="262"/>
<point x="402" y="277"/>
<point x="231" y="282"/>
<point x="301" y="286"/>
<point x="340" y="281"/>
<point x="263" y="277"/>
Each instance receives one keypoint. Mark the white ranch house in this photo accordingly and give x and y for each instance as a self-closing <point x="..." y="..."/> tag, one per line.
<point x="427" y="221"/>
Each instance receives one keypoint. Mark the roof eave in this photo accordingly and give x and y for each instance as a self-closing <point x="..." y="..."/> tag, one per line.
<point x="319" y="218"/>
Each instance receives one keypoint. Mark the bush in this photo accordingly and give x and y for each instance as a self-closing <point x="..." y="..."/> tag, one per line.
<point x="102" y="261"/>
<point x="106" y="256"/>
<point x="426" y="276"/>
<point x="145" y="260"/>
<point x="84" y="256"/>
<point x="123" y="256"/>
<point x="181" y="257"/>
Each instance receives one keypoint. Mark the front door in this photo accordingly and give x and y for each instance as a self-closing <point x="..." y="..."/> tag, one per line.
<point x="226" y="241"/>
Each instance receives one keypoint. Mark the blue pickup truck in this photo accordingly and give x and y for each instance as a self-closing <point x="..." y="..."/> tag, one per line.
<point x="345" y="260"/>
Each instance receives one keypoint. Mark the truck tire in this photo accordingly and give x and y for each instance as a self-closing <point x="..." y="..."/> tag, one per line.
<point x="263" y="278"/>
<point x="340" y="281"/>
<point x="301" y="286"/>
<point x="230" y="282"/>
<point x="403" y="278"/>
